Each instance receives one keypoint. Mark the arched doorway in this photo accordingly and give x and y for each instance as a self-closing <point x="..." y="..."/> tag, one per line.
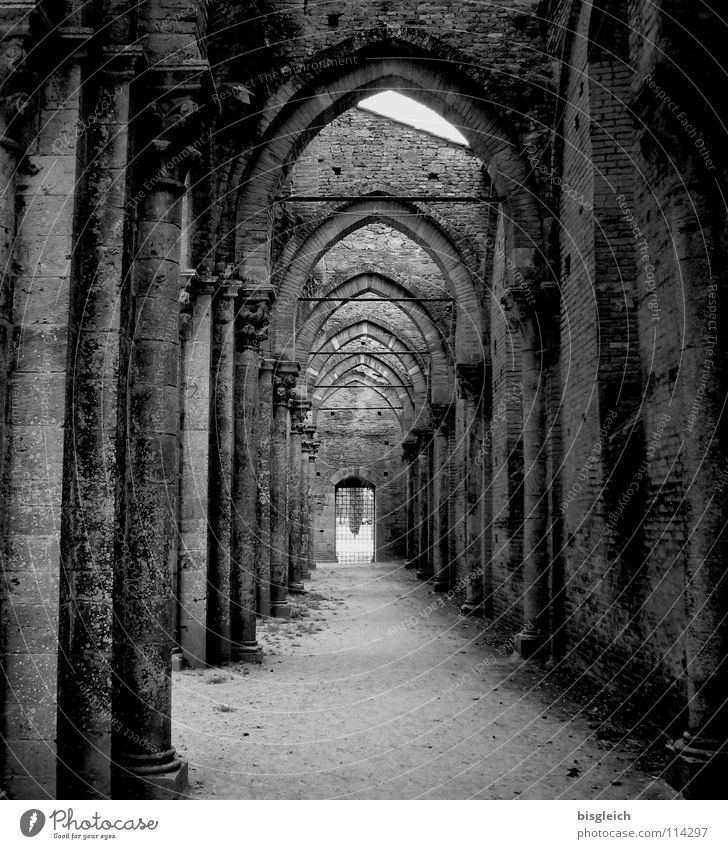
<point x="354" y="521"/>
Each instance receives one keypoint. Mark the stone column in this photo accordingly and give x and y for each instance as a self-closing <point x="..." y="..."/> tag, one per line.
<point x="312" y="445"/>
<point x="38" y="207"/>
<point x="702" y="751"/>
<point x="440" y="500"/>
<point x="221" y="472"/>
<point x="284" y="384"/>
<point x="192" y="567"/>
<point x="94" y="456"/>
<point x="424" y="518"/>
<point x="265" y="423"/>
<point x="477" y="464"/>
<point x="534" y="638"/>
<point x="251" y="328"/>
<point x="409" y="457"/>
<point x="299" y="408"/>
<point x="308" y="471"/>
<point x="10" y="150"/>
<point x="146" y="764"/>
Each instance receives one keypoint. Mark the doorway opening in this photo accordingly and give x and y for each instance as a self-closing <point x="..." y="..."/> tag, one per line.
<point x="354" y="515"/>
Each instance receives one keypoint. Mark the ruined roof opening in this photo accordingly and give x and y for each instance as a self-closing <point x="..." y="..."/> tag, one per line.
<point x="399" y="107"/>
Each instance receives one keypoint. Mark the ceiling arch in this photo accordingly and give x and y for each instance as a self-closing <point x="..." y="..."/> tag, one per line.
<point x="253" y="185"/>
<point x="372" y="283"/>
<point x="406" y="219"/>
<point x="383" y="335"/>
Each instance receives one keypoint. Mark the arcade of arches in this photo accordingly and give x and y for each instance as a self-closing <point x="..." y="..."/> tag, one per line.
<point x="249" y="327"/>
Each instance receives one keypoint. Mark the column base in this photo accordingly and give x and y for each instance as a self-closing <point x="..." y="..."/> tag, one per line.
<point x="699" y="768"/>
<point x="473" y="608"/>
<point x="441" y="586"/>
<point x="533" y="644"/>
<point x="410" y="564"/>
<point x="248" y="653"/>
<point x="178" y="661"/>
<point x="297" y="588"/>
<point x="280" y="610"/>
<point x="423" y="573"/>
<point x="306" y="575"/>
<point x="147" y="780"/>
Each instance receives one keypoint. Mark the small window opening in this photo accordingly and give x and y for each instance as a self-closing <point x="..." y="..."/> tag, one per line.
<point x="333" y="19"/>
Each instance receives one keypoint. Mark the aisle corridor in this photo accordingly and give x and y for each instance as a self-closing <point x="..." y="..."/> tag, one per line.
<point x="378" y="688"/>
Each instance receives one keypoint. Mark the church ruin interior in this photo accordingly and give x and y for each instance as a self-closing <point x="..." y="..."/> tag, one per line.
<point x="354" y="339"/>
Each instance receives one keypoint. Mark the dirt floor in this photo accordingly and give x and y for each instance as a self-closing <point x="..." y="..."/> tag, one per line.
<point x="378" y="689"/>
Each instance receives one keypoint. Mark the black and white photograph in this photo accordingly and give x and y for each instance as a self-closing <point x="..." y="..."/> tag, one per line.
<point x="364" y="434"/>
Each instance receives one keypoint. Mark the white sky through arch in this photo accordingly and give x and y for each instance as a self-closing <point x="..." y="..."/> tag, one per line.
<point x="392" y="104"/>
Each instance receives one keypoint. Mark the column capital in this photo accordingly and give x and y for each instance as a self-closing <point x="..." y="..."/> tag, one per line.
<point x="285" y="375"/>
<point x="171" y="124"/>
<point x="299" y="410"/>
<point x="253" y="315"/>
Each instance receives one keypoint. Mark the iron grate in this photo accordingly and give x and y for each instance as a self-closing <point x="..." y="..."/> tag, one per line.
<point x="354" y="524"/>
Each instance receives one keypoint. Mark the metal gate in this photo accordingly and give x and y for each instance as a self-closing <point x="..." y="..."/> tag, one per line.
<point x="354" y="522"/>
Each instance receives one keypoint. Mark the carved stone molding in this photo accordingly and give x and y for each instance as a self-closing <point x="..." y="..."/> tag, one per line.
<point x="285" y="376"/>
<point x="253" y="315"/>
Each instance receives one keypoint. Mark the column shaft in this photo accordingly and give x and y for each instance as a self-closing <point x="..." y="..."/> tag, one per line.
<point x="295" y="506"/>
<point x="94" y="456"/>
<point x="245" y="508"/>
<point x="424" y="519"/>
<point x="284" y="381"/>
<point x="440" y="510"/>
<point x="192" y="567"/>
<point x="146" y="763"/>
<point x="703" y="749"/>
<point x="221" y="475"/>
<point x="265" y="423"/>
<point x="476" y="462"/>
<point x="534" y="638"/>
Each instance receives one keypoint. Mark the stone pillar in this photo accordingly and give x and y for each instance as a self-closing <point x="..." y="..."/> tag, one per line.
<point x="409" y="458"/>
<point x="284" y="384"/>
<point x="192" y="566"/>
<point x="265" y="423"/>
<point x="308" y="472"/>
<point x="424" y="518"/>
<point x="702" y="751"/>
<point x="94" y="455"/>
<point x="146" y="764"/>
<point x="10" y="150"/>
<point x="251" y="328"/>
<point x="299" y="408"/>
<point x="477" y="464"/>
<point x="534" y="638"/>
<point x="440" y="499"/>
<point x="221" y="473"/>
<point x="38" y="207"/>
